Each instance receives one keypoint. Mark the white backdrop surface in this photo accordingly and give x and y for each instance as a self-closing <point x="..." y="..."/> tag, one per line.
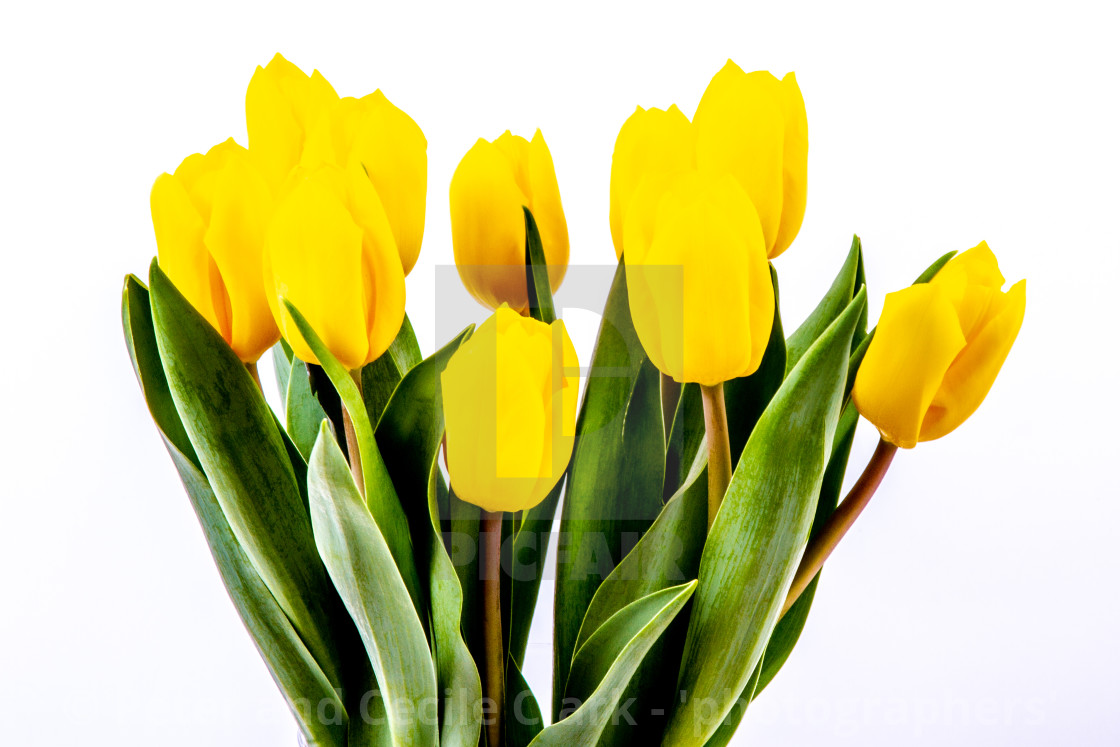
<point x="974" y="603"/>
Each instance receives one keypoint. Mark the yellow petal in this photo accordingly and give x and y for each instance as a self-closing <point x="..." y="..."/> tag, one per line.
<point x="313" y="257"/>
<point x="917" y="339"/>
<point x="548" y="212"/>
<point x="973" y="372"/>
<point x="488" y="227"/>
<point x="795" y="164"/>
<point x="651" y="140"/>
<point x="740" y="128"/>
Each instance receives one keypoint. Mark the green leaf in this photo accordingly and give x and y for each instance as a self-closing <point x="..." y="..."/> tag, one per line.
<point x="935" y="268"/>
<point x="685" y="438"/>
<point x="730" y="724"/>
<point x="304" y="413"/>
<point x="528" y="556"/>
<point x="541" y="306"/>
<point x="523" y="719"/>
<point x="244" y="457"/>
<point x="299" y="677"/>
<point x="282" y="361"/>
<point x="381" y="496"/>
<point x="604" y="665"/>
<point x="616" y="474"/>
<point x="843" y="289"/>
<point x="456" y="673"/>
<point x="760" y="532"/>
<point x="365" y="573"/>
<point x="381" y="377"/>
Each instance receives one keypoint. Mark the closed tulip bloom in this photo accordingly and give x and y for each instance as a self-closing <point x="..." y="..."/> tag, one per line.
<point x="697" y="277"/>
<point x="330" y="251"/>
<point x="938" y="348"/>
<point x="754" y="126"/>
<point x="650" y="141"/>
<point x="210" y="218"/>
<point x="509" y="402"/>
<point x="282" y="105"/>
<point x="491" y="185"/>
<point x="390" y="147"/>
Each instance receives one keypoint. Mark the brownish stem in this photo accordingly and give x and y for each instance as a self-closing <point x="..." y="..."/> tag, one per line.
<point x="252" y="368"/>
<point x="493" y="684"/>
<point x="719" y="447"/>
<point x="670" y="397"/>
<point x="352" y="440"/>
<point x="841" y="520"/>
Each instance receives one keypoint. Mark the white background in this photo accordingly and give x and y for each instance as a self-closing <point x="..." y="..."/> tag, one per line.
<point x="974" y="603"/>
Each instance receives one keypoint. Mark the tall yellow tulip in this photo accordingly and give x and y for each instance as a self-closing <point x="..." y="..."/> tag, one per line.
<point x="392" y="150"/>
<point x="938" y="348"/>
<point x="330" y="251"/>
<point x="651" y="141"/>
<point x="754" y="126"/>
<point x="210" y="218"/>
<point x="491" y="185"/>
<point x="697" y="276"/>
<point x="509" y="401"/>
<point x="282" y="105"/>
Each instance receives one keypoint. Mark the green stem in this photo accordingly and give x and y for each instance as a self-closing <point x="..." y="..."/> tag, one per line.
<point x="841" y="520"/>
<point x="490" y="539"/>
<point x="719" y="447"/>
<point x="352" y="439"/>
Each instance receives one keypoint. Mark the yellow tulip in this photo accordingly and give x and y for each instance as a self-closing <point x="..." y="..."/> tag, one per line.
<point x="754" y="126"/>
<point x="210" y="218"/>
<point x="650" y="141"/>
<point x="509" y="402"/>
<point x="282" y="105"/>
<point x="392" y="150"/>
<point x="491" y="185"/>
<point x="330" y="251"/>
<point x="938" y="348"/>
<point x="697" y="276"/>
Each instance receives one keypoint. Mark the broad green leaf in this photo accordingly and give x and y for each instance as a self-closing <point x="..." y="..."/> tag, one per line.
<point x="605" y="664"/>
<point x="299" y="677"/>
<point x="381" y="496"/>
<point x="528" y="555"/>
<point x="616" y="474"/>
<point x="381" y="377"/>
<point x="759" y="534"/>
<point x="462" y="544"/>
<point x="304" y="413"/>
<point x="541" y="306"/>
<point x="456" y="675"/>
<point x="523" y="719"/>
<point x="245" y="460"/>
<point x="365" y="573"/>
<point x="843" y="289"/>
<point x="730" y="724"/>
<point x="685" y="438"/>
<point x="282" y="363"/>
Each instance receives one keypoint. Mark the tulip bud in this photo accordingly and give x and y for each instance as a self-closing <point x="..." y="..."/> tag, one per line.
<point x="754" y="126"/>
<point x="330" y="251"/>
<point x="210" y="218"/>
<point x="491" y="185"/>
<point x="509" y="402"/>
<point x="697" y="277"/>
<point x="938" y="348"/>
<point x="392" y="150"/>
<point x="650" y="141"/>
<point x="282" y="105"/>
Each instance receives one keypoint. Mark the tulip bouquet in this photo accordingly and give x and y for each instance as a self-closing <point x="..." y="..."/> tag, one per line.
<point x="384" y="537"/>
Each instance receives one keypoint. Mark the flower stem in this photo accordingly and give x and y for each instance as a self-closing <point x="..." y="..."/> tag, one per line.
<point x="670" y="397"/>
<point x="352" y="439"/>
<point x="490" y="539"/>
<point x="719" y="447"/>
<point x="841" y="520"/>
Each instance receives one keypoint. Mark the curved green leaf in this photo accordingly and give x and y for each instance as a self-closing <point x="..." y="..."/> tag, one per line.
<point x="839" y="295"/>
<point x="282" y="363"/>
<point x="304" y="414"/>
<point x="541" y="306"/>
<point x="365" y="573"/>
<point x="929" y="273"/>
<point x="605" y="664"/>
<point x="616" y="474"/>
<point x="380" y="378"/>
<point x="523" y="719"/>
<point x="527" y="561"/>
<point x="759" y="534"/>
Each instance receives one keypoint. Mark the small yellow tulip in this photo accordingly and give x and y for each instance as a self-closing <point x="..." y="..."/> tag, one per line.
<point x="392" y="150"/>
<point x="650" y="141"/>
<point x="509" y="402"/>
<point x="754" y="126"/>
<point x="330" y="251"/>
<point x="938" y="348"/>
<point x="282" y="105"/>
<point x="491" y="185"/>
<point x="210" y="218"/>
<point x="697" y="276"/>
